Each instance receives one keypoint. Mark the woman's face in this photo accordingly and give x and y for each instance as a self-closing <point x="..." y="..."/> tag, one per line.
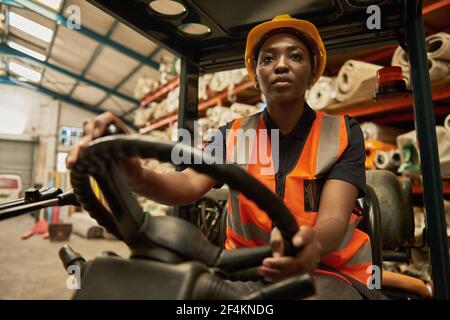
<point x="283" y="70"/>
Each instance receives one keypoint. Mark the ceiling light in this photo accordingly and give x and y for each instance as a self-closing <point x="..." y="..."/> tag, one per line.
<point x="24" y="71"/>
<point x="53" y="4"/>
<point x="33" y="28"/>
<point x="194" y="29"/>
<point x="26" y="50"/>
<point x="167" y="7"/>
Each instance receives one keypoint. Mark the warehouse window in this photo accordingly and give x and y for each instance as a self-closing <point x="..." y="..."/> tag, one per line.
<point x="69" y="136"/>
<point x="24" y="71"/>
<point x="26" y="50"/>
<point x="61" y="162"/>
<point x="32" y="28"/>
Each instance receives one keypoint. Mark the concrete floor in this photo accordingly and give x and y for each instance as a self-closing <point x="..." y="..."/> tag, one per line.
<point x="31" y="269"/>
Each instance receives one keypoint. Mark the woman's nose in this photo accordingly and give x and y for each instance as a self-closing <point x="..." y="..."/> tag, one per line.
<point x="281" y="65"/>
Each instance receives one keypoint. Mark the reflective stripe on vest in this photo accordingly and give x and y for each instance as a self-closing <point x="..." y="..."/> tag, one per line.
<point x="239" y="152"/>
<point x="328" y="150"/>
<point x="247" y="225"/>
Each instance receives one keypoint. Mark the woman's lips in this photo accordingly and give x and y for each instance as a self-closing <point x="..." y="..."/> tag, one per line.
<point x="282" y="84"/>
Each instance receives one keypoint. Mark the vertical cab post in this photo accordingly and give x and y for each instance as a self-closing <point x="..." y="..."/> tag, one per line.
<point x="429" y="157"/>
<point x="187" y="111"/>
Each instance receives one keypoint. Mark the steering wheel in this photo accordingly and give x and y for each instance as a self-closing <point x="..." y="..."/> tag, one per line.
<point x="125" y="218"/>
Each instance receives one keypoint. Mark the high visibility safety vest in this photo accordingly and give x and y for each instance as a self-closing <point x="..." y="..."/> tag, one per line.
<point x="249" y="226"/>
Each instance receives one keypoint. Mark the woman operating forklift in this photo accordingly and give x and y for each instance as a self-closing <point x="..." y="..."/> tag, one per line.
<point x="319" y="171"/>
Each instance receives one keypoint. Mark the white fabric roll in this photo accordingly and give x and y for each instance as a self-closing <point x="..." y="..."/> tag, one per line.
<point x="438" y="69"/>
<point x="2" y="68"/>
<point x="237" y="75"/>
<point x="322" y="93"/>
<point x="387" y="160"/>
<point x="140" y="118"/>
<point x="438" y="46"/>
<point x="373" y="131"/>
<point x="172" y="100"/>
<point x="356" y="79"/>
<point x="447" y="216"/>
<point x="220" y="81"/>
<point x="443" y="140"/>
<point x="203" y="85"/>
<point x="241" y="109"/>
<point x="144" y="86"/>
<point x="447" y="122"/>
<point x="400" y="58"/>
<point x="143" y="115"/>
<point x="396" y="157"/>
<point x="407" y="78"/>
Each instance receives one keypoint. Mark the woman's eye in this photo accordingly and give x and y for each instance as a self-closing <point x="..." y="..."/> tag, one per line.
<point x="266" y="59"/>
<point x="296" y="56"/>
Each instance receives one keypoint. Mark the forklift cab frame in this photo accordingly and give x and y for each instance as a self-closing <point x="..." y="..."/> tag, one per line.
<point x="343" y="26"/>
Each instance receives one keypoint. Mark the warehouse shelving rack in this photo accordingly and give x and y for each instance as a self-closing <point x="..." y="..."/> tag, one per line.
<point x="342" y="24"/>
<point x="203" y="105"/>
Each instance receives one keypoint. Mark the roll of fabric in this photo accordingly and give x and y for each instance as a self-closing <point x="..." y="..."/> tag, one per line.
<point x="172" y="100"/>
<point x="356" y="79"/>
<point x="373" y="131"/>
<point x="160" y="110"/>
<point x="409" y="139"/>
<point x="238" y="75"/>
<point x="143" y="115"/>
<point x="219" y="116"/>
<point x="220" y="81"/>
<point x="407" y="78"/>
<point x="2" y="68"/>
<point x="447" y="122"/>
<point x="438" y="46"/>
<point x="84" y="226"/>
<point x="322" y="93"/>
<point x="387" y="160"/>
<point x="241" y="109"/>
<point x="438" y="69"/>
<point x="144" y="86"/>
<point x="447" y="216"/>
<point x="372" y="147"/>
<point x="400" y="58"/>
<point x="203" y="84"/>
<point x="140" y="118"/>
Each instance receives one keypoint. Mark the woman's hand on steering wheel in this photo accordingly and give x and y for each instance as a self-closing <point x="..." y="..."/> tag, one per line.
<point x="95" y="128"/>
<point x="306" y="260"/>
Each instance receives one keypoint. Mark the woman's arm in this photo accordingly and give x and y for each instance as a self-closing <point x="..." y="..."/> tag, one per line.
<point x="336" y="204"/>
<point x="173" y="188"/>
<point x="176" y="188"/>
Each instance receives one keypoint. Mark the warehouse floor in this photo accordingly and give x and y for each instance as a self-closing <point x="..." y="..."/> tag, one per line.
<point x="31" y="269"/>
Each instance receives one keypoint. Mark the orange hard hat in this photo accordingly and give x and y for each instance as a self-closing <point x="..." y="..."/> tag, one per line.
<point x="285" y="23"/>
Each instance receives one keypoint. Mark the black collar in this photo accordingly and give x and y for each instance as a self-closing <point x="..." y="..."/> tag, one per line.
<point x="301" y="129"/>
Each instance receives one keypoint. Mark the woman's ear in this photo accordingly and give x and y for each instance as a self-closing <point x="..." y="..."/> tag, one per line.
<point x="310" y="81"/>
<point x="256" y="82"/>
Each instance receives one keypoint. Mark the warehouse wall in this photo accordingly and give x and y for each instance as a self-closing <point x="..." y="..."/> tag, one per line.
<point x="27" y="112"/>
<point x="21" y="110"/>
<point x="71" y="116"/>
